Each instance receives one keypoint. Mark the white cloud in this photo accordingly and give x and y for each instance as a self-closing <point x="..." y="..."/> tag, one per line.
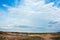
<point x="30" y="13"/>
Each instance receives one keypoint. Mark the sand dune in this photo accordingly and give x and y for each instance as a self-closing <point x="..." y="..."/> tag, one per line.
<point x="29" y="36"/>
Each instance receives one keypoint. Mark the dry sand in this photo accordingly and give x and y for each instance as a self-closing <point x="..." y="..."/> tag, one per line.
<point x="29" y="36"/>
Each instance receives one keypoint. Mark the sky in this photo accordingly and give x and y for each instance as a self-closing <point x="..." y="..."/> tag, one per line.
<point x="33" y="16"/>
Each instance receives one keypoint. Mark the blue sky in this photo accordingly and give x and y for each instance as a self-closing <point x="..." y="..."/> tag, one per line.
<point x="30" y="15"/>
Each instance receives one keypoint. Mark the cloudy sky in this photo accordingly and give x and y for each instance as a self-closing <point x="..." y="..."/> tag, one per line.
<point x="30" y="15"/>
